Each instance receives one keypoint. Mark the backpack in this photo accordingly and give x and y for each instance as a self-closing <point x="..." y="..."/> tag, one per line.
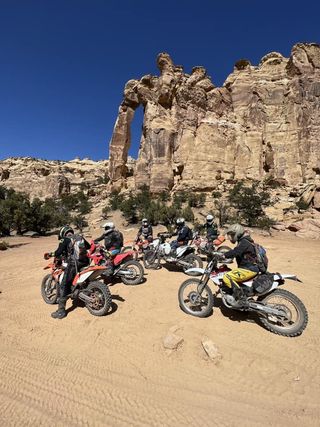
<point x="190" y="234"/>
<point x="261" y="258"/>
<point x="77" y="247"/>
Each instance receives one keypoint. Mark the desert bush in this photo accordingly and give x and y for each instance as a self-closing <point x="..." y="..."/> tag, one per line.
<point x="249" y="200"/>
<point x="79" y="222"/>
<point x="4" y="245"/>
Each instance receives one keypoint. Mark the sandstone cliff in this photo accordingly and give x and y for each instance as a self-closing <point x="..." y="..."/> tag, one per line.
<point x="263" y="123"/>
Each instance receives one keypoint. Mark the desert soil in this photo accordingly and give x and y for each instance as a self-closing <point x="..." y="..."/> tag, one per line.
<point x="113" y="371"/>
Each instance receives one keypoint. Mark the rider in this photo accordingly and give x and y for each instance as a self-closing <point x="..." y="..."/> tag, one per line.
<point x="145" y="231"/>
<point x="182" y="232"/>
<point x="74" y="249"/>
<point x="211" y="228"/>
<point x="113" y="239"/>
<point x="245" y="255"/>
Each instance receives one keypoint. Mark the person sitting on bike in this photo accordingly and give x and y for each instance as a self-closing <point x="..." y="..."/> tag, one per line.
<point x="183" y="233"/>
<point x="113" y="239"/>
<point x="145" y="231"/>
<point x="73" y="248"/>
<point x="113" y="242"/>
<point x="245" y="255"/>
<point x="211" y="228"/>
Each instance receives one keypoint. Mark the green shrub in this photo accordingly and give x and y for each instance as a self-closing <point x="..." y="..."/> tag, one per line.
<point x="80" y="222"/>
<point x="249" y="201"/>
<point x="302" y="205"/>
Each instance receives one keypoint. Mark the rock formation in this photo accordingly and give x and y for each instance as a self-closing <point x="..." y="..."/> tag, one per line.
<point x="263" y="123"/>
<point x="45" y="178"/>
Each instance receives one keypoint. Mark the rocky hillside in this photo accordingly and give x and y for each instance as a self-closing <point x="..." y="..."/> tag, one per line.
<point x="263" y="123"/>
<point x="46" y="178"/>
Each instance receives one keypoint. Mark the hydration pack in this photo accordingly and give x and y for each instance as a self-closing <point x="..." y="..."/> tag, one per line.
<point x="261" y="258"/>
<point x="77" y="247"/>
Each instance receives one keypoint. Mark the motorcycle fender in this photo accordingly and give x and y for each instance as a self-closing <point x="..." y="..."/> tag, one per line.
<point x="216" y="279"/>
<point x="286" y="276"/>
<point x="198" y="271"/>
<point x="83" y="277"/>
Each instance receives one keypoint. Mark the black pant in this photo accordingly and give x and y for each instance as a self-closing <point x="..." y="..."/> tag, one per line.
<point x="69" y="274"/>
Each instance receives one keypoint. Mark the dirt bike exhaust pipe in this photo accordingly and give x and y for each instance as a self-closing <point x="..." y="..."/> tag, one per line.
<point x="124" y="273"/>
<point x="183" y="263"/>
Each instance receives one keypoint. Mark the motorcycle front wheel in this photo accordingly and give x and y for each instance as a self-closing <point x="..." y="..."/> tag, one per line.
<point x="136" y="272"/>
<point x="295" y="316"/>
<point x="101" y="298"/>
<point x="190" y="300"/>
<point x="49" y="289"/>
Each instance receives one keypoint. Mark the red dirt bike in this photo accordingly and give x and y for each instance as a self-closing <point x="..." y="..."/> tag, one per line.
<point x="86" y="286"/>
<point x="138" y="247"/>
<point x="123" y="265"/>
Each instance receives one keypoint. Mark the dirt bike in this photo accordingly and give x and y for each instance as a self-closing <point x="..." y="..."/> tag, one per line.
<point x="184" y="256"/>
<point x="123" y="265"/>
<point x="138" y="248"/>
<point x="204" y="247"/>
<point x="86" y="286"/>
<point x="279" y="310"/>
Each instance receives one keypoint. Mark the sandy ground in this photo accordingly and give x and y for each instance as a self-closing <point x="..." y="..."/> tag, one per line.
<point x="114" y="371"/>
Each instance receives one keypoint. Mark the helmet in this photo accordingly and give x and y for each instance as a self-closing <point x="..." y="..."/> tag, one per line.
<point x="64" y="231"/>
<point x="108" y="227"/>
<point x="235" y="231"/>
<point x="209" y="219"/>
<point x="180" y="222"/>
<point x="144" y="221"/>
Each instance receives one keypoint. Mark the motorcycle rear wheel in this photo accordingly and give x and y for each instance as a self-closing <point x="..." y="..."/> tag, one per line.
<point x="194" y="262"/>
<point x="151" y="259"/>
<point x="295" y="313"/>
<point x="137" y="272"/>
<point x="49" y="289"/>
<point x="102" y="298"/>
<point x="191" y="302"/>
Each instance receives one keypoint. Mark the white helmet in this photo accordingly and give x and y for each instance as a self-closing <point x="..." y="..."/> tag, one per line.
<point x="180" y="221"/>
<point x="235" y="231"/>
<point x="108" y="227"/>
<point x="144" y="221"/>
<point x="209" y="219"/>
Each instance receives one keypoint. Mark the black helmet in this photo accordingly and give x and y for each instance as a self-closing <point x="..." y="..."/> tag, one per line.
<point x="64" y="231"/>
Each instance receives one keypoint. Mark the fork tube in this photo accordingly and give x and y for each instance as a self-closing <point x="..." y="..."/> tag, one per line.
<point x="204" y="280"/>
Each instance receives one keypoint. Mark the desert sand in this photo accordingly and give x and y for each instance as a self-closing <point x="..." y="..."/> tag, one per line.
<point x="114" y="371"/>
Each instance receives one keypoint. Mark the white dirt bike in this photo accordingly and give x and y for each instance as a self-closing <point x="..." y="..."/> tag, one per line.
<point x="184" y="256"/>
<point x="279" y="310"/>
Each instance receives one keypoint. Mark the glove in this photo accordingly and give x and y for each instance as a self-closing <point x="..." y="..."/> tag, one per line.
<point x="47" y="255"/>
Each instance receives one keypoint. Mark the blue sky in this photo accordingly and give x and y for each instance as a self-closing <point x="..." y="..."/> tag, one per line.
<point x="63" y="64"/>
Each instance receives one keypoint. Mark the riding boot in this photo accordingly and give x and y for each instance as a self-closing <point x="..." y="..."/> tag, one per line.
<point x="61" y="312"/>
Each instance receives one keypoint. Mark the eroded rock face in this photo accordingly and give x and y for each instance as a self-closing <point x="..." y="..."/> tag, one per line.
<point x="44" y="178"/>
<point x="264" y="122"/>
